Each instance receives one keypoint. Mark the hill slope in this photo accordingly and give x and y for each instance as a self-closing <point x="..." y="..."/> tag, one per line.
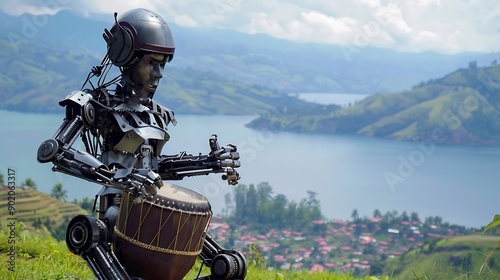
<point x="464" y="257"/>
<point x="32" y="207"/>
<point x="459" y="108"/>
<point x="254" y="58"/>
<point x="35" y="78"/>
<point x="42" y="257"/>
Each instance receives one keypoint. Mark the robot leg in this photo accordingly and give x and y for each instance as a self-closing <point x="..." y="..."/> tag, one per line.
<point x="86" y="237"/>
<point x="224" y="264"/>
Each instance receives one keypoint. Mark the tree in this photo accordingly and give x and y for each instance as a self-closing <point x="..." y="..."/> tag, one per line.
<point x="311" y="199"/>
<point x="473" y="65"/>
<point x="390" y="216"/>
<point x="256" y="207"/>
<point x="86" y="203"/>
<point x="58" y="192"/>
<point x="240" y="203"/>
<point x="278" y="211"/>
<point x="30" y="183"/>
<point x="438" y="220"/>
<point x="264" y="193"/>
<point x="251" y="204"/>
<point x="355" y="215"/>
<point x="414" y="217"/>
<point x="264" y="202"/>
<point x="313" y="205"/>
<point x="377" y="214"/>
<point x="404" y="216"/>
<point x="228" y="210"/>
<point x="2" y="180"/>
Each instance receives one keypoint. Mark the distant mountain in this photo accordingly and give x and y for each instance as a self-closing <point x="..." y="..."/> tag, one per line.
<point x="252" y="59"/>
<point x="462" y="107"/>
<point x="35" y="78"/>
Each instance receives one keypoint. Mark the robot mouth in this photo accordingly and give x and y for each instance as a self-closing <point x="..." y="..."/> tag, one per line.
<point x="152" y="87"/>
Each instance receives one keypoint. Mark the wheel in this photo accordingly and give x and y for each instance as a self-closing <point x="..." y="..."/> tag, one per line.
<point x="83" y="232"/>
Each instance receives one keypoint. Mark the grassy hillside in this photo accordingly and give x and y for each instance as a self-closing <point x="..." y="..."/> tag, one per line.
<point x="39" y="256"/>
<point x="199" y="92"/>
<point x="37" y="210"/>
<point x="465" y="257"/>
<point x="35" y="78"/>
<point x="462" y="107"/>
<point x="42" y="257"/>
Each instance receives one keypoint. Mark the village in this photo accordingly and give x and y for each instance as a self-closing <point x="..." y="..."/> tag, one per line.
<point x="358" y="246"/>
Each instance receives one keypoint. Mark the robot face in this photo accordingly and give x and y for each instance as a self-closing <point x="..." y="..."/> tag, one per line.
<point x="147" y="72"/>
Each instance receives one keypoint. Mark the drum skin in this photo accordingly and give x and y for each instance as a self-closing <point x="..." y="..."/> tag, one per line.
<point x="161" y="237"/>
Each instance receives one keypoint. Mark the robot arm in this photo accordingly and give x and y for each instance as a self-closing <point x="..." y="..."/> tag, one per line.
<point x="219" y="160"/>
<point x="84" y="114"/>
<point x="80" y="114"/>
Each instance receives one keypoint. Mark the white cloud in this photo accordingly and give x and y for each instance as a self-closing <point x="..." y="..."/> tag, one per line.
<point x="16" y="9"/>
<point x="370" y="3"/>
<point x="336" y="25"/>
<point x="186" y="20"/>
<point x="415" y="25"/>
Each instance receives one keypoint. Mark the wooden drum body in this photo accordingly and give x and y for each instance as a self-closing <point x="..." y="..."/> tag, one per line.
<point x="161" y="237"/>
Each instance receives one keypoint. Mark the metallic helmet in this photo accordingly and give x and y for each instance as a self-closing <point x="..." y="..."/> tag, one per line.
<point x="138" y="30"/>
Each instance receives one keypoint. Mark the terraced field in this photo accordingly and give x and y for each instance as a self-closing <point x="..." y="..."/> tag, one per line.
<point x="32" y="205"/>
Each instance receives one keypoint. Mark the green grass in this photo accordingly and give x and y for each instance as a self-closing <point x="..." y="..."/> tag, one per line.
<point x="32" y="205"/>
<point x="465" y="257"/>
<point x="42" y="257"/>
<point x="39" y="257"/>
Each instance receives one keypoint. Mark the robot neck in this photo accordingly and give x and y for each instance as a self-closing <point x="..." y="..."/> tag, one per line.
<point x="133" y="92"/>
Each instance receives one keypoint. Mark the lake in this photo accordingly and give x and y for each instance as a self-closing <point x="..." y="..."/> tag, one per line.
<point x="325" y="98"/>
<point x="460" y="184"/>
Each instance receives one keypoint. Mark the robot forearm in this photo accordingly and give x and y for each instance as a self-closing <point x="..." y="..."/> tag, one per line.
<point x="219" y="160"/>
<point x="76" y="163"/>
<point x="180" y="166"/>
<point x="83" y="165"/>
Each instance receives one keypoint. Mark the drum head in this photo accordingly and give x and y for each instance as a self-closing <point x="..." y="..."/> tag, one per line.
<point x="181" y="199"/>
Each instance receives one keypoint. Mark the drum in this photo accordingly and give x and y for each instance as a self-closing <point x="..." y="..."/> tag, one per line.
<point x="161" y="237"/>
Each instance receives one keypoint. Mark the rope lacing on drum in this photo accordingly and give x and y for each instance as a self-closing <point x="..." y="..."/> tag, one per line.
<point x="198" y="220"/>
<point x="155" y="248"/>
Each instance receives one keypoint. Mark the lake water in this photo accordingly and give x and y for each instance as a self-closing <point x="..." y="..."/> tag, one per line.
<point x="342" y="99"/>
<point x="460" y="184"/>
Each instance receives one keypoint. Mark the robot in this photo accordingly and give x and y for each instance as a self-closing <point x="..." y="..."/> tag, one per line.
<point x="123" y="131"/>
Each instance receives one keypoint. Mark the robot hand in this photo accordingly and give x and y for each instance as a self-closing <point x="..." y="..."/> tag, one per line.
<point x="231" y="176"/>
<point x="139" y="182"/>
<point x="149" y="181"/>
<point x="228" y="157"/>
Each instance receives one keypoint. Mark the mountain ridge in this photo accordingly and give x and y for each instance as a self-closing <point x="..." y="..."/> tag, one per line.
<point x="462" y="107"/>
<point x="39" y="78"/>
<point x="280" y="64"/>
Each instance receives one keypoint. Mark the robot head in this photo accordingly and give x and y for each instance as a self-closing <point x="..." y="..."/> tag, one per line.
<point x="137" y="32"/>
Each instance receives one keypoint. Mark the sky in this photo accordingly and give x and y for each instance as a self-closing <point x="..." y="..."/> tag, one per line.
<point x="445" y="26"/>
